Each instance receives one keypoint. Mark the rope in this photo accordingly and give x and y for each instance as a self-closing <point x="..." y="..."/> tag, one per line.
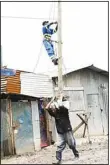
<point x="40" y="52"/>
<point x="65" y="70"/>
<point x="39" y="55"/>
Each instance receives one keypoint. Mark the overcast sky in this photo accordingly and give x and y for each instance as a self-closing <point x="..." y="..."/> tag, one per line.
<point x="84" y="34"/>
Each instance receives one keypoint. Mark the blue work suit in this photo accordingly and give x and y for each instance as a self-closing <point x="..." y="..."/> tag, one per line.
<point x="47" y="32"/>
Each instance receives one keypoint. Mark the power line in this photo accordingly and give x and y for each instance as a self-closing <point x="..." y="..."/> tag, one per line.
<point x="14" y="17"/>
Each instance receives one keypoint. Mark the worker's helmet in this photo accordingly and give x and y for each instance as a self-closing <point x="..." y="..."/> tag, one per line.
<point x="45" y="22"/>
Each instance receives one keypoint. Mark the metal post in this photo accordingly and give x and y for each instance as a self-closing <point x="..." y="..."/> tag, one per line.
<point x="60" y="82"/>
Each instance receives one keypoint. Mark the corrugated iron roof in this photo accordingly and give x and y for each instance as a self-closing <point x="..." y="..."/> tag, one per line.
<point x="37" y="85"/>
<point x="104" y="72"/>
<point x="92" y="67"/>
<point x="27" y="83"/>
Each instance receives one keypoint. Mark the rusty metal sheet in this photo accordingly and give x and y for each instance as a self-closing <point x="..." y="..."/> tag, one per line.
<point x="13" y="83"/>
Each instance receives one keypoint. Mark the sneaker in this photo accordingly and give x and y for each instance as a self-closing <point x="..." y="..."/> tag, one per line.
<point x="76" y="156"/>
<point x="58" y="162"/>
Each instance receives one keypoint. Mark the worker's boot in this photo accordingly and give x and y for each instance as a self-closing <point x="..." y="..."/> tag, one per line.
<point x="58" y="157"/>
<point x="55" y="61"/>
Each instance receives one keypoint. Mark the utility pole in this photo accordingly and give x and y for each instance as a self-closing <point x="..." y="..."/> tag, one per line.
<point x="60" y="78"/>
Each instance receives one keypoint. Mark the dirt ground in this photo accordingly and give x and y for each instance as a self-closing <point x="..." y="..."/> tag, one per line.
<point x="95" y="153"/>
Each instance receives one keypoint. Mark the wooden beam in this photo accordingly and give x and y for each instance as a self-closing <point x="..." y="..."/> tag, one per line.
<point x="11" y="129"/>
<point x="76" y="128"/>
<point x="84" y="131"/>
<point x="85" y="121"/>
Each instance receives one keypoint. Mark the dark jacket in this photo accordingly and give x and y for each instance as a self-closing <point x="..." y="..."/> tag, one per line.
<point x="62" y="121"/>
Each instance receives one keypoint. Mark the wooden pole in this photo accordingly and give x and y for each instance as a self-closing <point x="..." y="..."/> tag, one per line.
<point x="11" y="128"/>
<point x="60" y="82"/>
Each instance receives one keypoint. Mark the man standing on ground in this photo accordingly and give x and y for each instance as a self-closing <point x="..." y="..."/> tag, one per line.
<point x="59" y="111"/>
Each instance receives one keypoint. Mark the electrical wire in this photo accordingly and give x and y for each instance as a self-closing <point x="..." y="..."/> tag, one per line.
<point x="14" y="17"/>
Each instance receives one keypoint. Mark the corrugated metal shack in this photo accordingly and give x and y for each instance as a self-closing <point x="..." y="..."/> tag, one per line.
<point x="87" y="89"/>
<point x="23" y="121"/>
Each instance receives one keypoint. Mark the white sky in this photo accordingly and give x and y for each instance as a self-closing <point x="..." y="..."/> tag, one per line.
<point x="84" y="34"/>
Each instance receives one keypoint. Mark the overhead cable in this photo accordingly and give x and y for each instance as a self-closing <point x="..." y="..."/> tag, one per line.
<point x="25" y="17"/>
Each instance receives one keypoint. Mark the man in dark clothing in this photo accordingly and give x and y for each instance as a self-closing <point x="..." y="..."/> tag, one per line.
<point x="64" y="129"/>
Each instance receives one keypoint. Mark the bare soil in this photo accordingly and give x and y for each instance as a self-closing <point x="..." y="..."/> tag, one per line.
<point x="95" y="153"/>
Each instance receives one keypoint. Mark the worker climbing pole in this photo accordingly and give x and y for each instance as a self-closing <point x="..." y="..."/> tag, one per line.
<point x="48" y="31"/>
<point x="48" y="43"/>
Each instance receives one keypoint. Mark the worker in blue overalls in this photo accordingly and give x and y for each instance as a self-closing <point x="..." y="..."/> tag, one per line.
<point x="48" y="32"/>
